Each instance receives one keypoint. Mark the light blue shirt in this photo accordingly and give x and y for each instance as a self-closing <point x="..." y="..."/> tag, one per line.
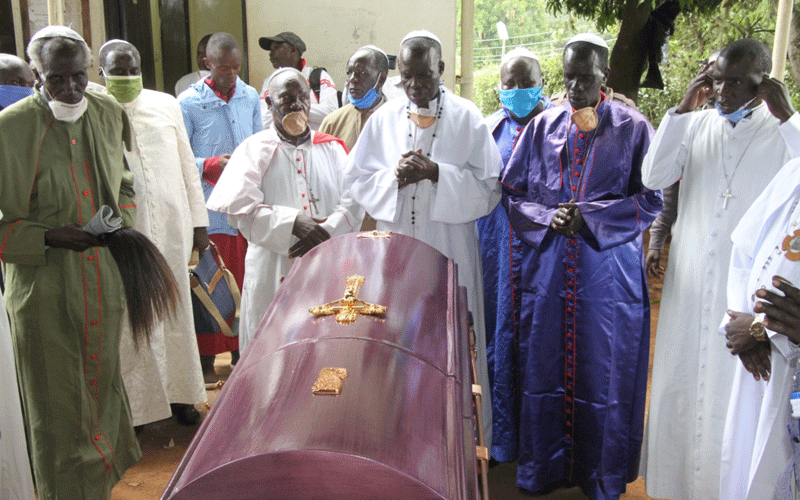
<point x="215" y="128"/>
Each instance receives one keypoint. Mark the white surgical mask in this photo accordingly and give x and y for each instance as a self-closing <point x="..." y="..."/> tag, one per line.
<point x="67" y="112"/>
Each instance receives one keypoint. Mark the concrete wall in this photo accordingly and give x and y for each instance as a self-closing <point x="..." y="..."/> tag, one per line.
<point x="334" y="29"/>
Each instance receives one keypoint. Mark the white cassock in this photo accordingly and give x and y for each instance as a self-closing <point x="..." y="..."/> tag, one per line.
<point x="16" y="482"/>
<point x="755" y="447"/>
<point x="169" y="205"/>
<point x="265" y="186"/>
<point x="327" y="103"/>
<point x="692" y="368"/>
<point x="441" y="214"/>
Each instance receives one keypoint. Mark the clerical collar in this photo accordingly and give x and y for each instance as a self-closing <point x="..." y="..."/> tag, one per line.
<point x="432" y="108"/>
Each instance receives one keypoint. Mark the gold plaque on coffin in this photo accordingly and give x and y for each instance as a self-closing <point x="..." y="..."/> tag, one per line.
<point x="350" y="306"/>
<point x="329" y="381"/>
<point x="374" y="234"/>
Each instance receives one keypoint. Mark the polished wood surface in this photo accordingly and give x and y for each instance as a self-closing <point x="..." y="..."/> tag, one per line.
<point x="402" y="426"/>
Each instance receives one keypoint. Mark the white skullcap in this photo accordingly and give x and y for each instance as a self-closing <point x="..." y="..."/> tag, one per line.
<point x="376" y="49"/>
<point x="55" y="31"/>
<point x="421" y="34"/>
<point x="519" y="52"/>
<point x="588" y="38"/>
<point x="285" y="69"/>
<point x="113" y="40"/>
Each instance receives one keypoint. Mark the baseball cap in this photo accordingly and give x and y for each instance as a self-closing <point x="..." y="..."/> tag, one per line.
<point x="287" y="36"/>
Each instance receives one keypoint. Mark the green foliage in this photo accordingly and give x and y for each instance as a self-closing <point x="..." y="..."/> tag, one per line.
<point x="607" y="12"/>
<point x="696" y="37"/>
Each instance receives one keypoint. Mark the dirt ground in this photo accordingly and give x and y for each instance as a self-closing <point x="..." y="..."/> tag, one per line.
<point x="164" y="443"/>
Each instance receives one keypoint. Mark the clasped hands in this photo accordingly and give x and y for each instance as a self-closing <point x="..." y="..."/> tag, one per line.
<point x="567" y="220"/>
<point x="414" y="167"/>
<point x="782" y="316"/>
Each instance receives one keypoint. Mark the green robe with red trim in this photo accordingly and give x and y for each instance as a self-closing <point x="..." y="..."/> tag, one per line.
<point x="66" y="307"/>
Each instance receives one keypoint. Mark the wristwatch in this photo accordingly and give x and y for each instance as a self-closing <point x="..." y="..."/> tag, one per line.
<point x="757" y="329"/>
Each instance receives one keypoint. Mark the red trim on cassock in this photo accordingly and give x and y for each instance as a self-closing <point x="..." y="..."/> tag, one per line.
<point x="211" y="170"/>
<point x="320" y="138"/>
<point x="5" y="239"/>
<point x="132" y="205"/>
<point x="511" y="188"/>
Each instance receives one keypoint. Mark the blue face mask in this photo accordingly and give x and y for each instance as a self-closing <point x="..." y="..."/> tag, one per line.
<point x="368" y="100"/>
<point x="737" y="115"/>
<point x="9" y="94"/>
<point x="521" y="101"/>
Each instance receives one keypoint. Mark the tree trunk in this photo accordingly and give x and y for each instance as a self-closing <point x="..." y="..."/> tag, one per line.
<point x="794" y="45"/>
<point x="629" y="57"/>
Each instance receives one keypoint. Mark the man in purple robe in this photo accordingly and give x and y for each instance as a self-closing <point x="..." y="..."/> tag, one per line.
<point x="521" y="96"/>
<point x="575" y="198"/>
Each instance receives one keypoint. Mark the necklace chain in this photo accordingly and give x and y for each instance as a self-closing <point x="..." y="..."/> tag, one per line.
<point x="729" y="180"/>
<point x="439" y="108"/>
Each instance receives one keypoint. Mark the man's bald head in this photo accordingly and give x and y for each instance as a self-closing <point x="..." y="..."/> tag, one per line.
<point x="114" y="49"/>
<point x="15" y="71"/>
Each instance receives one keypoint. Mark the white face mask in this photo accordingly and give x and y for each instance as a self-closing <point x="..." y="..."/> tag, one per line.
<point x="66" y="112"/>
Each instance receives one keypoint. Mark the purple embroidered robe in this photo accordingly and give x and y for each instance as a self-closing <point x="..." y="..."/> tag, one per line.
<point x="585" y="315"/>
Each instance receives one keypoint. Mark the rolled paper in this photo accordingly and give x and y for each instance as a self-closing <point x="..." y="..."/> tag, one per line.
<point x="103" y="222"/>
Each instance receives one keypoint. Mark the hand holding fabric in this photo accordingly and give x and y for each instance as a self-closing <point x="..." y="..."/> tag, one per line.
<point x="782" y="312"/>
<point x="71" y="237"/>
<point x="737" y="331"/>
<point x="310" y="234"/>
<point x="415" y="167"/>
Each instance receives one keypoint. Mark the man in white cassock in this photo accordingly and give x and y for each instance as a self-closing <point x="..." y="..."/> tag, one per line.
<point x="766" y="243"/>
<point x="165" y="376"/>
<point x="724" y="159"/>
<point x="279" y="186"/>
<point x="427" y="166"/>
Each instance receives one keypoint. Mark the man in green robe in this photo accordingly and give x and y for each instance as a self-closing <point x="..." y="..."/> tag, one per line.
<point x="61" y="159"/>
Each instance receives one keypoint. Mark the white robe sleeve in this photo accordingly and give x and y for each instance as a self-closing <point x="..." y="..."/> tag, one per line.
<point x="191" y="176"/>
<point x="470" y="190"/>
<point x="348" y="214"/>
<point x="239" y="194"/>
<point x="663" y="164"/>
<point x="370" y="176"/>
<point x="790" y="131"/>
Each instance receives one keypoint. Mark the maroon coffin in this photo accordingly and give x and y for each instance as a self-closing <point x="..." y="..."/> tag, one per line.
<point x="402" y="426"/>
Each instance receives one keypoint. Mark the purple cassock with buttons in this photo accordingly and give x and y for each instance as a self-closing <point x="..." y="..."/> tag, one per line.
<point x="585" y="317"/>
<point x="500" y="261"/>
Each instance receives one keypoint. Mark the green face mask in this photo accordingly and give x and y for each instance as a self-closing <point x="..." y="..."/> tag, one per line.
<point x="124" y="88"/>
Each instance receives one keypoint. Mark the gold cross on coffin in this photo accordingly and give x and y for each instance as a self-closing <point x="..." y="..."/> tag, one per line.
<point x="350" y="306"/>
